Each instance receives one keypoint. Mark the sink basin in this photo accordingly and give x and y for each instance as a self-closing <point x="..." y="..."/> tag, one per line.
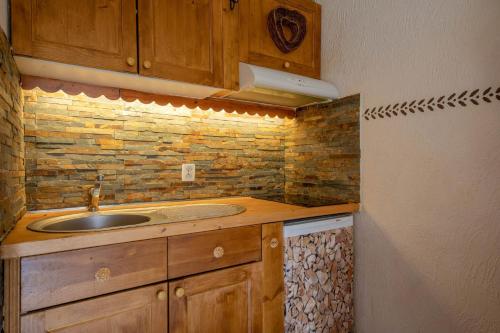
<point x="116" y="219"/>
<point x="88" y="222"/>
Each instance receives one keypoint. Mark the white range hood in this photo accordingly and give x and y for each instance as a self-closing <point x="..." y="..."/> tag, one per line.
<point x="269" y="86"/>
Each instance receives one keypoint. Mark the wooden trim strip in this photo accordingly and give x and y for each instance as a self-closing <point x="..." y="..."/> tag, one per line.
<point x="273" y="298"/>
<point x="12" y="299"/>
<point x="72" y="88"/>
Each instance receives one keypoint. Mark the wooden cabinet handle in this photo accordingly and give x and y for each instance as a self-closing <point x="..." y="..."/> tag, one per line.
<point x="161" y="295"/>
<point x="179" y="292"/>
<point x="274" y="243"/>
<point x="146" y="64"/>
<point x="130" y="61"/>
<point x="286" y="64"/>
<point x="102" y="274"/>
<point x="218" y="252"/>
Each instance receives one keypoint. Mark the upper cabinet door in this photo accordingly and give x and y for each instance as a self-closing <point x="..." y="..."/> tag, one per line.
<point x="289" y="40"/>
<point x="94" y="33"/>
<point x="189" y="40"/>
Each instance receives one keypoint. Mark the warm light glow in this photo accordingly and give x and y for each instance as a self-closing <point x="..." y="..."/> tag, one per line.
<point x="154" y="107"/>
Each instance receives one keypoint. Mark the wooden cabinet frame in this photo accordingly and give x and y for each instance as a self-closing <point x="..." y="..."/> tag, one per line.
<point x="259" y="286"/>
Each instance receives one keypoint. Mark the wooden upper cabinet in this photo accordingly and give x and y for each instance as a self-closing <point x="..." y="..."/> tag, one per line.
<point x="226" y="301"/>
<point x="189" y="40"/>
<point x="257" y="46"/>
<point x="94" y="33"/>
<point x="142" y="310"/>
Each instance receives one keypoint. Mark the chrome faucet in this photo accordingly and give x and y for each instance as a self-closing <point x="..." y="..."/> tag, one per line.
<point x="95" y="193"/>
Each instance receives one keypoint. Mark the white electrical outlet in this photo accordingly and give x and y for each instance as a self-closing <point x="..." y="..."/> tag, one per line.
<point x="188" y="172"/>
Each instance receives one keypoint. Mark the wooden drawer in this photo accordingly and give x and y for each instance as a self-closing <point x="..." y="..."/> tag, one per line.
<point x="206" y="251"/>
<point x="57" y="278"/>
<point x="139" y="310"/>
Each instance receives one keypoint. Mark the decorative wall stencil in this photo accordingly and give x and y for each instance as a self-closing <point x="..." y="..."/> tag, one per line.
<point x="281" y="17"/>
<point x="319" y="282"/>
<point x="454" y="100"/>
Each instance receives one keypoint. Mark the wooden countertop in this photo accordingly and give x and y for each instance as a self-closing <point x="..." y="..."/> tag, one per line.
<point x="22" y="242"/>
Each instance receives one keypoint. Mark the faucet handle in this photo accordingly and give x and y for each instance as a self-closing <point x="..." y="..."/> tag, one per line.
<point x="99" y="178"/>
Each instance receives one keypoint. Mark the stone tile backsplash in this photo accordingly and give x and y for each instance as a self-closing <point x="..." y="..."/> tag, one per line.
<point x="12" y="194"/>
<point x="322" y="154"/>
<point x="140" y="149"/>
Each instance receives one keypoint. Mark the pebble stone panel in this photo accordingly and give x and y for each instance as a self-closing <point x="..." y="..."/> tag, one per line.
<point x="319" y="282"/>
<point x="12" y="194"/>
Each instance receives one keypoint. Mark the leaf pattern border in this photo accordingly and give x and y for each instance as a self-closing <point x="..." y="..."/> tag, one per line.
<point x="453" y="100"/>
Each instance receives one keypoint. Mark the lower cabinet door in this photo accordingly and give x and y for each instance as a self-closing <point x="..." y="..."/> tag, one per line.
<point x="225" y="301"/>
<point x="142" y="310"/>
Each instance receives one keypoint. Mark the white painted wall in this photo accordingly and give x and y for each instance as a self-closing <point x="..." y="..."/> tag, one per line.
<point x="4" y="16"/>
<point x="428" y="236"/>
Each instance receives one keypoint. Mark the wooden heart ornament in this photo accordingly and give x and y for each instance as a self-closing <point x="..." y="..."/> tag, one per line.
<point x="280" y="18"/>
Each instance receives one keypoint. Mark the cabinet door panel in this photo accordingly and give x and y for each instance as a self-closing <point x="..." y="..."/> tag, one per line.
<point x="222" y="301"/>
<point x="257" y="46"/>
<point x="94" y="33"/>
<point x="139" y="310"/>
<point x="183" y="40"/>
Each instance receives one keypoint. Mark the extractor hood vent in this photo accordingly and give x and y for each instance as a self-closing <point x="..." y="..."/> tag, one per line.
<point x="269" y="86"/>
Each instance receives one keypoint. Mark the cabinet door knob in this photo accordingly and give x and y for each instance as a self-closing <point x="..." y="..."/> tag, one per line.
<point x="218" y="252"/>
<point x="130" y="61"/>
<point x="147" y="64"/>
<point x="286" y="64"/>
<point x="179" y="292"/>
<point x="274" y="243"/>
<point x="102" y="274"/>
<point x="161" y="295"/>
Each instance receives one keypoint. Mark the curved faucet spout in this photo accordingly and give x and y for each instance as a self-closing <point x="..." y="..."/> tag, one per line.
<point x="95" y="193"/>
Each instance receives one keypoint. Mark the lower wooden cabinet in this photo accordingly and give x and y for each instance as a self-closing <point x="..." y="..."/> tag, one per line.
<point x="226" y="301"/>
<point x="142" y="310"/>
<point x="232" y="283"/>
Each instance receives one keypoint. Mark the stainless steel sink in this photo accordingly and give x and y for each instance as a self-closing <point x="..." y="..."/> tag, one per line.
<point x="124" y="218"/>
<point x="94" y="222"/>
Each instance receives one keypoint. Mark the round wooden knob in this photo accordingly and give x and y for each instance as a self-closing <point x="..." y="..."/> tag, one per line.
<point x="130" y="61"/>
<point x="179" y="292"/>
<point x="218" y="252"/>
<point x="102" y="274"/>
<point x="274" y="243"/>
<point x="161" y="295"/>
<point x="147" y="64"/>
<point x="286" y="64"/>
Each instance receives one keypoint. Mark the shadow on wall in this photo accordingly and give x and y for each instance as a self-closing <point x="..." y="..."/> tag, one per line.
<point x="397" y="297"/>
<point x="433" y="298"/>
